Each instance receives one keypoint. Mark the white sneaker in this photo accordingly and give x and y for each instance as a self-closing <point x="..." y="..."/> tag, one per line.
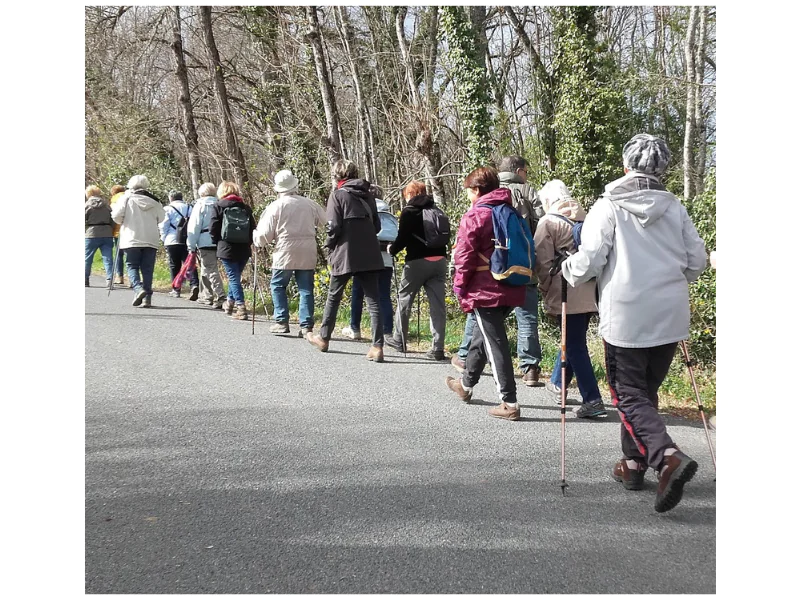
<point x="353" y="334"/>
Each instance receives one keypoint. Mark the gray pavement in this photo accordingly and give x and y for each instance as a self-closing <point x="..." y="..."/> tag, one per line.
<point x="221" y="462"/>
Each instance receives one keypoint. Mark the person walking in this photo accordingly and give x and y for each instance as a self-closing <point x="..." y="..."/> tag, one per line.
<point x="231" y="228"/>
<point x="139" y="212"/>
<point x="490" y="300"/>
<point x="554" y="237"/>
<point x="426" y="265"/>
<point x="641" y="245"/>
<point x="117" y="191"/>
<point x="352" y="242"/>
<point x="174" y="234"/>
<point x="98" y="233"/>
<point x="198" y="239"/>
<point x="291" y="222"/>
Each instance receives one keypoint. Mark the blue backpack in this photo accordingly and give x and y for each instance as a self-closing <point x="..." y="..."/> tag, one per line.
<point x="389" y="227"/>
<point x="577" y="226"/>
<point x="514" y="257"/>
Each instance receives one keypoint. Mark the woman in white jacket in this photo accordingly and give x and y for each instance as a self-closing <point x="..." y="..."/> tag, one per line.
<point x="198" y="239"/>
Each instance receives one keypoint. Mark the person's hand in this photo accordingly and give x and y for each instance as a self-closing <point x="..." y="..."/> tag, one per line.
<point x="559" y="258"/>
<point x="713" y="259"/>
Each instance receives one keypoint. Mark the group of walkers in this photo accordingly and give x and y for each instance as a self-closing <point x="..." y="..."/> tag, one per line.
<point x="630" y="258"/>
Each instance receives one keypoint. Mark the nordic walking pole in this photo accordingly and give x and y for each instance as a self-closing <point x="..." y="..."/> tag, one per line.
<point x="564" y="485"/>
<point x="113" y="268"/>
<point x="261" y="294"/>
<point x="397" y="293"/>
<point x="689" y="363"/>
<point x="255" y="277"/>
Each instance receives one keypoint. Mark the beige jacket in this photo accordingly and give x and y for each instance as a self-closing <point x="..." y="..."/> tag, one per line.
<point x="553" y="233"/>
<point x="291" y="222"/>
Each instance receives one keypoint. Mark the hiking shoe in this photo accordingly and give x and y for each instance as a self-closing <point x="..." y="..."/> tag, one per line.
<point x="109" y="284"/>
<point x="589" y="410"/>
<point x="631" y="479"/>
<point x="241" y="312"/>
<point x="87" y="282"/>
<point x="504" y="411"/>
<point x="303" y="331"/>
<point x="556" y="391"/>
<point x="531" y="376"/>
<point x="218" y="305"/>
<point x="119" y="280"/>
<point x="459" y="364"/>
<point x="455" y="385"/>
<point x="147" y="302"/>
<point x="676" y="470"/>
<point x="393" y="343"/>
<point x="279" y="328"/>
<point x="195" y="294"/>
<point x="437" y="355"/>
<point x="315" y="340"/>
<point x="175" y="293"/>
<point x="350" y="333"/>
<point x="227" y="306"/>
<point x="375" y="354"/>
<point x="137" y="300"/>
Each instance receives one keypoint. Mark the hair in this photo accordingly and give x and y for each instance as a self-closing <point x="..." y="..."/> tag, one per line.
<point x="512" y="164"/>
<point x="552" y="192"/>
<point x="93" y="190"/>
<point x="376" y="191"/>
<point x="415" y="188"/>
<point x="226" y="188"/>
<point x="138" y="182"/>
<point x="175" y="195"/>
<point x="344" y="169"/>
<point x="484" y="179"/>
<point x="116" y="189"/>
<point x="207" y="189"/>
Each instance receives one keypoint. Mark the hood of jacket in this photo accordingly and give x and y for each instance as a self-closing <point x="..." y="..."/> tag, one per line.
<point x="144" y="199"/>
<point x="421" y="201"/>
<point x="357" y="187"/>
<point x="568" y="208"/>
<point x="509" y="177"/>
<point x="95" y="202"/>
<point x="499" y="196"/>
<point x="642" y="195"/>
<point x="206" y="201"/>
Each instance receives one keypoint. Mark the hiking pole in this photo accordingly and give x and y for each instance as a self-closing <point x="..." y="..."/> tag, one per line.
<point x="255" y="277"/>
<point x="397" y="293"/>
<point x="113" y="268"/>
<point x="419" y="301"/>
<point x="555" y="270"/>
<point x="688" y="362"/>
<point x="261" y="294"/>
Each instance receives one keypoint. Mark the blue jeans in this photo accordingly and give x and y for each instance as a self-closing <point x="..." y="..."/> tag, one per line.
<point x="106" y="247"/>
<point x="305" y="283"/>
<point x="118" y="265"/>
<point x="466" y="341"/>
<point x="385" y="291"/>
<point x="233" y="270"/>
<point x="144" y="260"/>
<point x="578" y="361"/>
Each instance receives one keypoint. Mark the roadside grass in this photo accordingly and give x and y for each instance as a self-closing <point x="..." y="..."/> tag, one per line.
<point x="676" y="395"/>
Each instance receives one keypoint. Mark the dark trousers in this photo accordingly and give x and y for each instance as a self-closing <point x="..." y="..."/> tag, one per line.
<point x="357" y="301"/>
<point x="141" y="263"/>
<point x="176" y="254"/>
<point x="490" y="342"/>
<point x="369" y="281"/>
<point x="634" y="375"/>
<point x="578" y="361"/>
<point x="118" y="266"/>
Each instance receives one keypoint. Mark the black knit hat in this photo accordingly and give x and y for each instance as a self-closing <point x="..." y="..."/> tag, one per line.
<point x="646" y="154"/>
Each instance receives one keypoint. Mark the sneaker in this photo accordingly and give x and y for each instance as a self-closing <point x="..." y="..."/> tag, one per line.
<point x="504" y="411"/>
<point x="109" y="284"/>
<point x="279" y="328"/>
<point x="175" y="294"/>
<point x="195" y="294"/>
<point x="353" y="334"/>
<point x="315" y="340"/>
<point x="459" y="364"/>
<point x="531" y="376"/>
<point x="137" y="300"/>
<point x="589" y="410"/>
<point x="455" y="385"/>
<point x="393" y="343"/>
<point x="437" y="355"/>
<point x="227" y="306"/>
<point x="556" y="391"/>
<point x="206" y="301"/>
<point x="218" y="305"/>
<point x="147" y="302"/>
<point x="304" y="331"/>
<point x="632" y="479"/>
<point x="119" y="280"/>
<point x="375" y="354"/>
<point x="87" y="282"/>
<point x="241" y="312"/>
<point x="676" y="471"/>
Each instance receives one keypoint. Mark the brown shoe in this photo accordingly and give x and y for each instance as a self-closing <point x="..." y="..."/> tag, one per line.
<point x="316" y="340"/>
<point x="631" y="479"/>
<point x="241" y="312"/>
<point x="119" y="280"/>
<point x="458" y="363"/>
<point x="531" y="377"/>
<point x="228" y="307"/>
<point x="455" y="385"/>
<point x="375" y="354"/>
<point x="676" y="470"/>
<point x="504" y="411"/>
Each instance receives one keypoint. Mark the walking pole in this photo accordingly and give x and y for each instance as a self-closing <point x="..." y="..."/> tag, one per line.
<point x="555" y="270"/>
<point x="255" y="276"/>
<point x="113" y="268"/>
<point x="261" y="295"/>
<point x="688" y="361"/>
<point x="397" y="293"/>
<point x="419" y="300"/>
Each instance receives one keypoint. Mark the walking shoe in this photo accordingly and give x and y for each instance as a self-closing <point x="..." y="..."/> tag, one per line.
<point x="676" y="471"/>
<point x="279" y="328"/>
<point x="589" y="410"/>
<point x="316" y="340"/>
<point x="556" y="391"/>
<point x="195" y="294"/>
<point x="175" y="293"/>
<point x="218" y="305"/>
<point x="375" y="354"/>
<point x="393" y="343"/>
<point x="303" y="331"/>
<point x="455" y="385"/>
<point x="87" y="282"/>
<point x="437" y="355"/>
<point x="119" y="280"/>
<point x="458" y="363"/>
<point x="241" y="312"/>
<point x="227" y="306"/>
<point x="109" y="284"/>
<point x="137" y="300"/>
<point x="632" y="479"/>
<point x="353" y="334"/>
<point x="504" y="411"/>
<point x="147" y="302"/>
<point x="531" y="376"/>
<point x="207" y="301"/>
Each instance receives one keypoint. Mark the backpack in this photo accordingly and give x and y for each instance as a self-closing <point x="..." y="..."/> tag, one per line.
<point x="514" y="256"/>
<point x="183" y="226"/>
<point x="577" y="226"/>
<point x="236" y="224"/>
<point x="389" y="227"/>
<point x="436" y="227"/>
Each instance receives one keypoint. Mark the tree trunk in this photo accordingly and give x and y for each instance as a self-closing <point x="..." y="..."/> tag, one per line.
<point x="233" y="149"/>
<point x="190" y="131"/>
<point x="689" y="132"/>
<point x="700" y="124"/>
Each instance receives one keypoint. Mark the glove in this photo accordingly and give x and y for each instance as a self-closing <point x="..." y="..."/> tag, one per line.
<point x="559" y="258"/>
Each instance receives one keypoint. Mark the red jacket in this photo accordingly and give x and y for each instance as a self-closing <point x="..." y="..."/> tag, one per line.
<point x="475" y="288"/>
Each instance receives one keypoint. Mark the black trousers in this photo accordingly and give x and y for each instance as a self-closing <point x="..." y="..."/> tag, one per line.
<point x="370" y="284"/>
<point x="176" y="254"/>
<point x="490" y="342"/>
<point x="634" y="375"/>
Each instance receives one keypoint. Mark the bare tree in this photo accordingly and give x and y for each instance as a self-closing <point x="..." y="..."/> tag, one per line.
<point x="689" y="188"/>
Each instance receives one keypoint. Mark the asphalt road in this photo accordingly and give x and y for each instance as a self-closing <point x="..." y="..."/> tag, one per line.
<point x="221" y="462"/>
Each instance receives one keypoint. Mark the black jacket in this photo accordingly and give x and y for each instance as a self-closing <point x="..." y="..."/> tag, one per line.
<point x="353" y="226"/>
<point x="238" y="252"/>
<point x="410" y="227"/>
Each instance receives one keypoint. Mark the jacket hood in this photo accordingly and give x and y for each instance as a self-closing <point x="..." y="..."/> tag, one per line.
<point x="568" y="208"/>
<point x="355" y="184"/>
<point x="421" y="201"/>
<point x="95" y="202"/>
<point x="641" y="195"/>
<point x="499" y="196"/>
<point x="207" y="200"/>
<point x="144" y="199"/>
<point x="509" y="177"/>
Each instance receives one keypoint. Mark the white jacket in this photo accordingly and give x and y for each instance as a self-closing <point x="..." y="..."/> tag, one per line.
<point x="291" y="222"/>
<point x="139" y="213"/>
<point x="198" y="235"/>
<point x="169" y="226"/>
<point x="644" y="250"/>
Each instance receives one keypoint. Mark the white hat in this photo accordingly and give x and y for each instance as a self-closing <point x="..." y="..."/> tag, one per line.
<point x="285" y="181"/>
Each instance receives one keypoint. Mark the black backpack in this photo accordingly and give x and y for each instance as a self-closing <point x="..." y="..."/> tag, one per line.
<point x="182" y="228"/>
<point x="436" y="226"/>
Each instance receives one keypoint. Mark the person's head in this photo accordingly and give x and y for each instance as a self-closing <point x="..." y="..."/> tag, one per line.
<point x="514" y="164"/>
<point x="552" y="192"/>
<point x="207" y="189"/>
<point x="480" y="182"/>
<point x="344" y="169"/>
<point x="376" y="191"/>
<point x="175" y="196"/>
<point x="226" y="188"/>
<point x="285" y="182"/>
<point x="415" y="188"/>
<point x="116" y="189"/>
<point x="93" y="190"/>
<point x="645" y="153"/>
<point x="138" y="182"/>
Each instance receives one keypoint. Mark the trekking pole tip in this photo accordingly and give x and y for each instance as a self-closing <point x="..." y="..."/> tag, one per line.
<point x="564" y="487"/>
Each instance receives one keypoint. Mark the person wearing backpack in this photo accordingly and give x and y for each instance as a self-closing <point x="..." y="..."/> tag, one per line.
<point x="98" y="231"/>
<point x="291" y="222"/>
<point x="231" y="227"/>
<point x="139" y="213"/>
<point x="554" y="237"/>
<point x="198" y="239"/>
<point x="174" y="232"/>
<point x="424" y="233"/>
<point x="480" y="291"/>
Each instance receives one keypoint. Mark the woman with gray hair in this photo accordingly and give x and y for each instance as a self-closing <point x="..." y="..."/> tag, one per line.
<point x="198" y="239"/>
<point x="174" y="229"/>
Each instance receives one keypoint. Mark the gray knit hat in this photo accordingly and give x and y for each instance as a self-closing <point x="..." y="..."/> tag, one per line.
<point x="646" y="154"/>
